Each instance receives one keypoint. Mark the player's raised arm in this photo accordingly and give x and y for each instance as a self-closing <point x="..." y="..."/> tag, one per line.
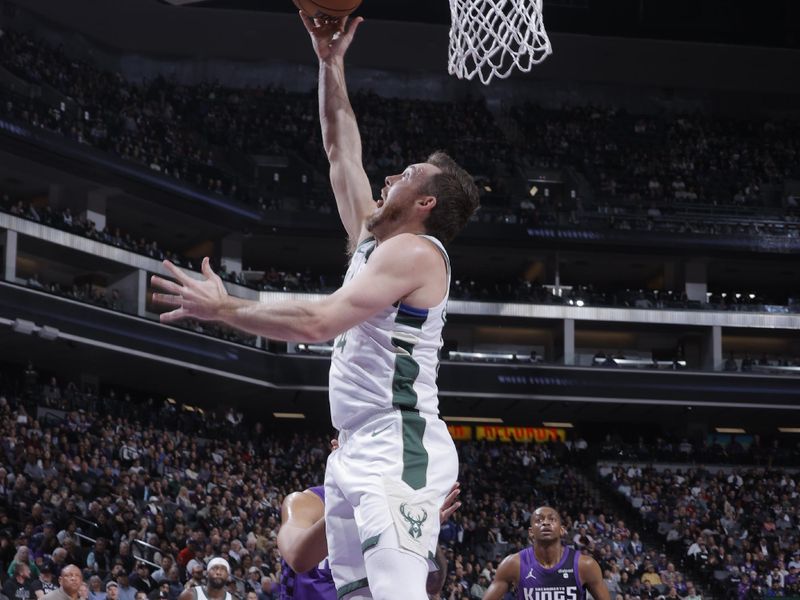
<point x="340" y="136"/>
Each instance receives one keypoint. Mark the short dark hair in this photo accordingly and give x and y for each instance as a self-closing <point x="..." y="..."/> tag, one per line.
<point x="456" y="194"/>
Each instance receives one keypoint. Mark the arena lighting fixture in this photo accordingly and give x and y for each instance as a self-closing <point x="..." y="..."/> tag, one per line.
<point x="558" y="424"/>
<point x="23" y="326"/>
<point x="751" y="296"/>
<point x="533" y="191"/>
<point x="487" y="188"/>
<point x="579" y="303"/>
<point x="48" y="333"/>
<point x="280" y="415"/>
<point x="730" y="430"/>
<point x="724" y="295"/>
<point x="789" y="429"/>
<point x="473" y="419"/>
<point x="738" y="295"/>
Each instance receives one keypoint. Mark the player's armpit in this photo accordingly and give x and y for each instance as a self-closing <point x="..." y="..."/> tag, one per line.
<point x="397" y="268"/>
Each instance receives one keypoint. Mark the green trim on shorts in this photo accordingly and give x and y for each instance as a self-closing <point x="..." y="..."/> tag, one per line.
<point x="351" y="587"/>
<point x="369" y="543"/>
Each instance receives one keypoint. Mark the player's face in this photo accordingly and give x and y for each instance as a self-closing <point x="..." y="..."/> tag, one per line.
<point x="71" y="579"/>
<point x="217" y="576"/>
<point x="398" y="197"/>
<point x="546" y="525"/>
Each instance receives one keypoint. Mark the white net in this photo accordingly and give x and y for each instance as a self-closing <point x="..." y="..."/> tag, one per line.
<point x="490" y="38"/>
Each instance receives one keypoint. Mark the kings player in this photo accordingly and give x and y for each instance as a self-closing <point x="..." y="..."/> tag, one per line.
<point x="548" y="570"/>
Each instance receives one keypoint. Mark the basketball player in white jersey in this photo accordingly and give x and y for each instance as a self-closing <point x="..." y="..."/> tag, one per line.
<point x="218" y="572"/>
<point x="396" y="462"/>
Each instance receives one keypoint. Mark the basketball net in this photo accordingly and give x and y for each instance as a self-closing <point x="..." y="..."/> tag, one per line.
<point x="490" y="38"/>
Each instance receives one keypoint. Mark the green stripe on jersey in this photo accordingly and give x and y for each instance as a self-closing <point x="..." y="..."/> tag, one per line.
<point x="406" y="371"/>
<point x="410" y="320"/>
<point x="415" y="457"/>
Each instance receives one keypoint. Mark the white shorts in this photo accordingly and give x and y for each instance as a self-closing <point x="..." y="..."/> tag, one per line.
<point x="394" y="470"/>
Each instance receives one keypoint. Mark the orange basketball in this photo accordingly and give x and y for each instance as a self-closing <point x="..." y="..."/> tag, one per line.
<point x="330" y="8"/>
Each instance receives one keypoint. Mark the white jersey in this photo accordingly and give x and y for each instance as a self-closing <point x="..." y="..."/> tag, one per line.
<point x="200" y="593"/>
<point x="390" y="360"/>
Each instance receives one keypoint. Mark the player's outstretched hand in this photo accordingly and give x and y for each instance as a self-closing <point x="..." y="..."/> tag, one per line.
<point x="192" y="298"/>
<point x="450" y="504"/>
<point x="330" y="36"/>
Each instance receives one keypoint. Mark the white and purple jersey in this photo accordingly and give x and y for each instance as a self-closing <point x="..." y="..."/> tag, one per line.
<point x="316" y="584"/>
<point x="562" y="582"/>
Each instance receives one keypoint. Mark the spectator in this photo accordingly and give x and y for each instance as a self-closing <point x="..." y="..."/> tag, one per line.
<point x="650" y="576"/>
<point x="141" y="579"/>
<point x="18" y="586"/>
<point x="691" y="592"/>
<point x="478" y="589"/>
<point x="98" y="561"/>
<point x="161" y="574"/>
<point x="43" y="585"/>
<point x="125" y="591"/>
<point x="23" y="554"/>
<point x="70" y="582"/>
<point x="96" y="588"/>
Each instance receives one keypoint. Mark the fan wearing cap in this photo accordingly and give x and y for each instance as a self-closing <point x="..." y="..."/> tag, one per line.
<point x="112" y="590"/>
<point x="218" y="573"/>
<point x="43" y="585"/>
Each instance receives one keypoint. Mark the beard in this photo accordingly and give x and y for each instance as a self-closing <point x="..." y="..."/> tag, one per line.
<point x="389" y="213"/>
<point x="216" y="583"/>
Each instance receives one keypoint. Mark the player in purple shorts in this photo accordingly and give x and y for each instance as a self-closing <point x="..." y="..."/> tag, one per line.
<point x="306" y="574"/>
<point x="548" y="570"/>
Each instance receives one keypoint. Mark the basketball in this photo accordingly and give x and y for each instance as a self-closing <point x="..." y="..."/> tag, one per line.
<point x="330" y="8"/>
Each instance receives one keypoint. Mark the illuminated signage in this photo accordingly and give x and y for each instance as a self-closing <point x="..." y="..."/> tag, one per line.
<point x="499" y="433"/>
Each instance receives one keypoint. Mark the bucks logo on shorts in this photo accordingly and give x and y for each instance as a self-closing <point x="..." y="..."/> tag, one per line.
<point x="415" y="521"/>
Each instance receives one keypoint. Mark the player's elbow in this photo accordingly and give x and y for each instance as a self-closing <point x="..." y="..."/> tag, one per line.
<point x="322" y="324"/>
<point x="435" y="583"/>
<point x="299" y="564"/>
<point x="340" y="155"/>
<point x="292" y="553"/>
<point x="334" y="154"/>
<point x="317" y="331"/>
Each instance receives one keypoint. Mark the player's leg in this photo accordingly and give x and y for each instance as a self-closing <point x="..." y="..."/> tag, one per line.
<point x="344" y="545"/>
<point x="410" y="491"/>
<point x="395" y="573"/>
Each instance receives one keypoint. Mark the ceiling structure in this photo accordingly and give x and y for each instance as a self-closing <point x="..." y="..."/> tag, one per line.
<point x="774" y="23"/>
